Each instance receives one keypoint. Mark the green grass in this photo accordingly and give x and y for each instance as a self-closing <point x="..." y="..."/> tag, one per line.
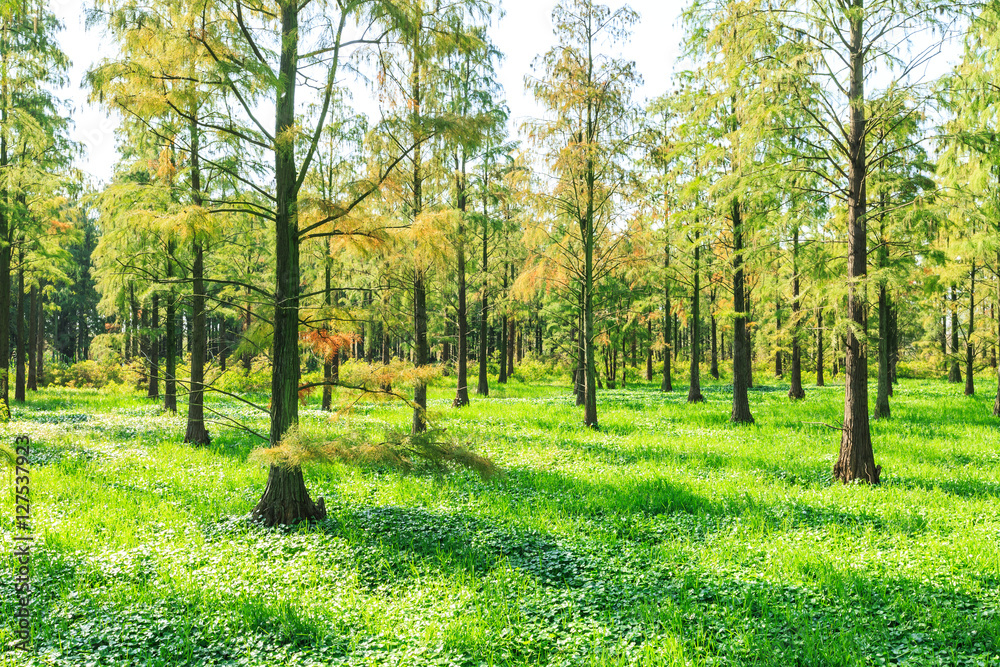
<point x="668" y="538"/>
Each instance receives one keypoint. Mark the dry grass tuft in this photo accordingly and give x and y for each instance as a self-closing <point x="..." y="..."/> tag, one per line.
<point x="399" y="450"/>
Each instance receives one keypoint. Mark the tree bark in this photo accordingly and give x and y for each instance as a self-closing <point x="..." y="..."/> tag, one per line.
<point x="327" y="402"/>
<point x="286" y="499"/>
<point x="667" y="384"/>
<point x="856" y="460"/>
<point x="882" y="410"/>
<point x="649" y="350"/>
<point x="779" y="371"/>
<point x="19" y="375"/>
<point x="483" y="387"/>
<point x="955" y="372"/>
<point x="196" y="431"/>
<point x="996" y="402"/>
<point x="970" y="388"/>
<point x="462" y="388"/>
<point x="741" y="347"/>
<point x="715" y="347"/>
<point x="511" y="343"/>
<point x="32" y="340"/>
<point x="819" y="348"/>
<point x="796" y="392"/>
<point x="694" y="389"/>
<point x="170" y="341"/>
<point x="153" y="390"/>
<point x="40" y="341"/>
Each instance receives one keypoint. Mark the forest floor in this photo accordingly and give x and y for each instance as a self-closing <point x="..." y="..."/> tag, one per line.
<point x="668" y="538"/>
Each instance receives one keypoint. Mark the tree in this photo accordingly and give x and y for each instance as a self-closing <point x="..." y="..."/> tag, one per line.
<point x="825" y="55"/>
<point x="589" y="94"/>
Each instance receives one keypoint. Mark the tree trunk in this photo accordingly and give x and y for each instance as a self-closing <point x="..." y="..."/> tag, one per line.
<point x="796" y="392"/>
<point x="741" y="344"/>
<point x="153" y="390"/>
<point x="694" y="390"/>
<point x="196" y="431"/>
<point x="134" y="306"/>
<point x="715" y="347"/>
<point x="420" y="349"/>
<point x="996" y="402"/>
<point x="462" y="388"/>
<point x="667" y="384"/>
<point x="19" y="379"/>
<point x="483" y="388"/>
<point x="502" y="378"/>
<point x="286" y="499"/>
<point x="779" y="371"/>
<point x="328" y="355"/>
<point x="511" y="336"/>
<point x="893" y="345"/>
<point x="170" y="341"/>
<point x="198" y="336"/>
<point x="955" y="372"/>
<point x="6" y="246"/>
<point x="819" y="348"/>
<point x="32" y="340"/>
<point x="649" y="350"/>
<point x="882" y="410"/>
<point x="40" y="341"/>
<point x="856" y="460"/>
<point x="970" y="388"/>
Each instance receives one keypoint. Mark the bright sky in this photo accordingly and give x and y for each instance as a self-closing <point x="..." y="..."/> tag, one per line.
<point x="523" y="33"/>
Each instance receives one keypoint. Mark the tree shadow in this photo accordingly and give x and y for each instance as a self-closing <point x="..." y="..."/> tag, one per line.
<point x="972" y="488"/>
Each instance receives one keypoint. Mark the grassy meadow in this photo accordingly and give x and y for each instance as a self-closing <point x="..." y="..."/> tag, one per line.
<point x="670" y="537"/>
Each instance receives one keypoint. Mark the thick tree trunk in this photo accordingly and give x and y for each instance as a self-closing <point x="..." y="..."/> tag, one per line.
<point x="694" y="389"/>
<point x="741" y="344"/>
<point x="153" y="390"/>
<point x="796" y="392"/>
<point x="19" y="375"/>
<point x="196" y="431"/>
<point x="32" y="340"/>
<point x="286" y="499"/>
<point x="856" y="460"/>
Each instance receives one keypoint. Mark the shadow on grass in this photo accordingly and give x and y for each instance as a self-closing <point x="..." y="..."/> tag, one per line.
<point x="961" y="489"/>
